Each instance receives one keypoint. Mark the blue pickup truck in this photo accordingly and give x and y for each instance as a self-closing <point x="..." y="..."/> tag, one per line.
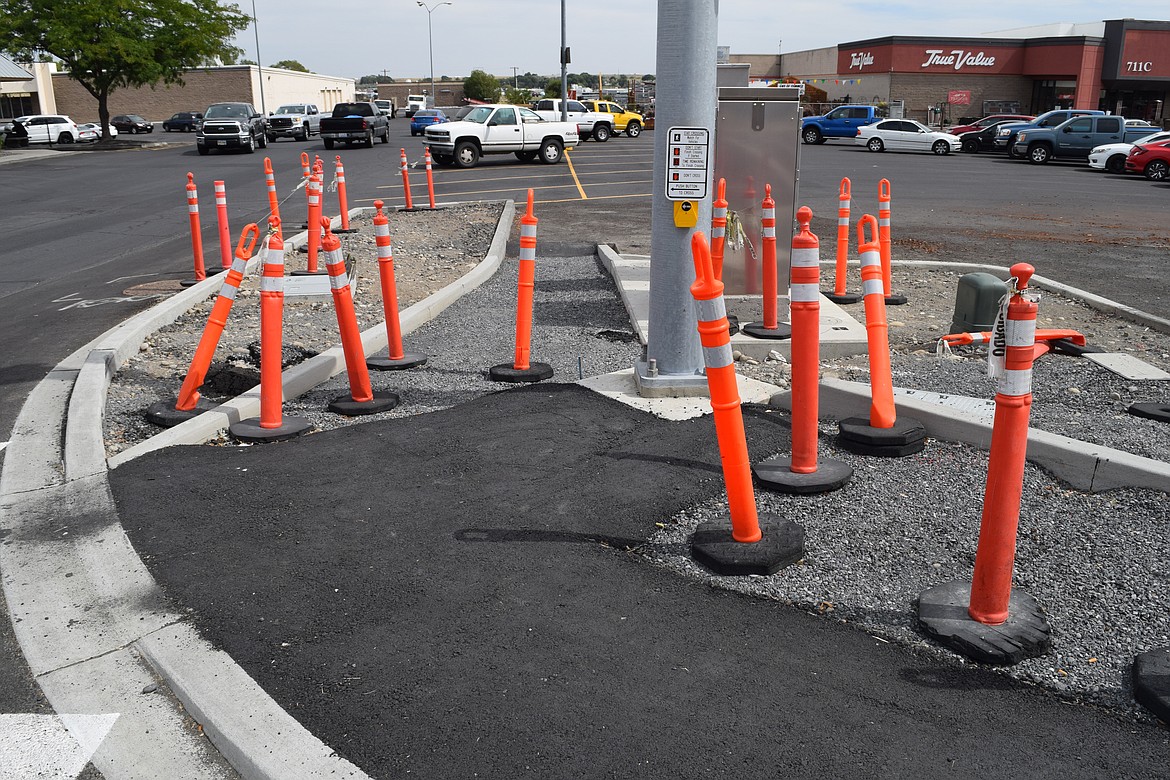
<point x="1074" y="139"/>
<point x="1005" y="136"/>
<point x="841" y="122"/>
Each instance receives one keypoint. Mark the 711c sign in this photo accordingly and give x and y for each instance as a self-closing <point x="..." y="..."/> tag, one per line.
<point x="1139" y="67"/>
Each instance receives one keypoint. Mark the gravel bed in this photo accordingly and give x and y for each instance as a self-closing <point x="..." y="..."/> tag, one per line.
<point x="1098" y="563"/>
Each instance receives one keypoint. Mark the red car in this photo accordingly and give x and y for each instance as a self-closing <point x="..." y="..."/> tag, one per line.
<point x="1150" y="160"/>
<point x="987" y="121"/>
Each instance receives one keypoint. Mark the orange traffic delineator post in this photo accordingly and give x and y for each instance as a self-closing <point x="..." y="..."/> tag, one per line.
<point x="745" y="545"/>
<point x="771" y="327"/>
<point x="719" y="240"/>
<point x="313" y="244"/>
<point x="522" y="368"/>
<point x="1021" y="631"/>
<point x="196" y="232"/>
<point x="342" y="196"/>
<point x="839" y="295"/>
<point x="221" y="219"/>
<point x="430" y="177"/>
<point x="882" y="433"/>
<point x="270" y="182"/>
<point x="802" y="472"/>
<point x="1042" y="334"/>
<point x="189" y="403"/>
<point x="884" y="204"/>
<point x="271" y="425"/>
<point x="396" y="358"/>
<point x="406" y="182"/>
<point x="362" y="398"/>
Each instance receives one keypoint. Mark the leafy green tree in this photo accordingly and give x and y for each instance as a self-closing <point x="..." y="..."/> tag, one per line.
<point x="648" y="77"/>
<point x="552" y="88"/>
<point x="290" y="65"/>
<point x="481" y="86"/>
<point x="249" y="62"/>
<point x="517" y="97"/>
<point x="110" y="44"/>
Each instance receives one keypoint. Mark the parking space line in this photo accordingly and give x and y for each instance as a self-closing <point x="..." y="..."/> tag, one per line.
<point x="573" y="173"/>
<point x="601" y="197"/>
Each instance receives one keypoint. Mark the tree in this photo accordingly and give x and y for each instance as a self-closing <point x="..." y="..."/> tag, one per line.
<point x="249" y="62"/>
<point x="553" y="88"/>
<point x="290" y="65"/>
<point x="110" y="44"/>
<point x="517" y="97"/>
<point x="481" y="86"/>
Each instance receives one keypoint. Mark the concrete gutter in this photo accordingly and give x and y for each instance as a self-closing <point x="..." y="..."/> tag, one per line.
<point x="93" y="624"/>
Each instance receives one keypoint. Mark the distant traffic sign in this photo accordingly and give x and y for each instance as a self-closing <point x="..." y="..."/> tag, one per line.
<point x="687" y="162"/>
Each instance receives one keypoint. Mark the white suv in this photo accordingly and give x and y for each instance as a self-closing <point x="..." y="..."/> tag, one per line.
<point x="50" y="129"/>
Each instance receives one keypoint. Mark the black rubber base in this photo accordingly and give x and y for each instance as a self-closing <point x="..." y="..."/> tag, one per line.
<point x="208" y="272"/>
<point x="408" y="360"/>
<point x="896" y="300"/>
<point x="776" y="474"/>
<point x="504" y="372"/>
<point x="756" y="329"/>
<point x="249" y="431"/>
<point x="165" y="414"/>
<point x="1151" y="682"/>
<point x="856" y="435"/>
<point x="1066" y="347"/>
<point x="846" y="298"/>
<point x="306" y="272"/>
<point x="382" y="401"/>
<point x="782" y="544"/>
<point x="1159" y="412"/>
<point x="942" y="615"/>
<point x="732" y="324"/>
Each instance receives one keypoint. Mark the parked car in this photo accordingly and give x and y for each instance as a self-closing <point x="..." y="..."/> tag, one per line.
<point x="841" y="122"/>
<point x="1005" y="136"/>
<point x="294" y="120"/>
<point x="230" y="126"/>
<point x="353" y="123"/>
<point x="131" y="123"/>
<point x="590" y="124"/>
<point x="624" y="120"/>
<point x="1137" y="123"/>
<point x="92" y="131"/>
<point x="427" y="116"/>
<point x="988" y="121"/>
<point x="182" y="122"/>
<point x="1111" y="157"/>
<point x="981" y="140"/>
<point x="500" y="129"/>
<point x="906" y="135"/>
<point x="1151" y="161"/>
<point x="50" y="128"/>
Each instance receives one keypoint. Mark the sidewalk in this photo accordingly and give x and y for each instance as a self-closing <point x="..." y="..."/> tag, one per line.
<point x="475" y="590"/>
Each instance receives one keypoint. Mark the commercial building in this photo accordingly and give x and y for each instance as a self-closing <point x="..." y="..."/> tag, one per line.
<point x="1120" y="65"/>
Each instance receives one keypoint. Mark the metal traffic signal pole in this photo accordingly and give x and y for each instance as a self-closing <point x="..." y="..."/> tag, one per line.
<point x="685" y="100"/>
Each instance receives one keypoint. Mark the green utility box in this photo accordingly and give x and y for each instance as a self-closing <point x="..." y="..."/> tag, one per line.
<point x="976" y="302"/>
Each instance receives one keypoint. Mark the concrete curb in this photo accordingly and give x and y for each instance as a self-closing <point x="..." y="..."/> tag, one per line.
<point x="304" y="377"/>
<point x="118" y="633"/>
<point x="1084" y="466"/>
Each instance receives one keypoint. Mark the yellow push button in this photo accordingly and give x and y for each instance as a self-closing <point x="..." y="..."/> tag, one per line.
<point x="686" y="213"/>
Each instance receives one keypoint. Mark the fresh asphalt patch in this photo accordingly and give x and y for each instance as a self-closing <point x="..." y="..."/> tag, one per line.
<point x="469" y="593"/>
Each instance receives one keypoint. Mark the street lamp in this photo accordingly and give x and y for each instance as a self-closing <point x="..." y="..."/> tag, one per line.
<point x="259" y="66"/>
<point x="430" y="46"/>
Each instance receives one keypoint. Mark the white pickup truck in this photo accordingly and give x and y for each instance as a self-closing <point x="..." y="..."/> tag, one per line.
<point x="500" y="129"/>
<point x="590" y="124"/>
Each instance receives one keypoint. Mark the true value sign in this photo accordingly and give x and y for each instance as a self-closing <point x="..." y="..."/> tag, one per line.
<point x="957" y="59"/>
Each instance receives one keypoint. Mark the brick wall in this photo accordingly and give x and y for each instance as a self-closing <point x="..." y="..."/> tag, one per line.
<point x="920" y="91"/>
<point x="450" y="92"/>
<point x="201" y="89"/>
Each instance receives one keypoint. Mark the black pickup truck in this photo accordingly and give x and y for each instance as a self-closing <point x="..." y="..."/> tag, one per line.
<point x="353" y="123"/>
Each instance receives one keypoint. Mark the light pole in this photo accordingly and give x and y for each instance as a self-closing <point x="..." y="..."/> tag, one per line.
<point x="430" y="45"/>
<point x="259" y="67"/>
<point x="515" y="79"/>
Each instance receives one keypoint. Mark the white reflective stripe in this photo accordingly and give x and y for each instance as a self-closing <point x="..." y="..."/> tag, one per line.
<point x="804" y="293"/>
<point x="889" y="204"/>
<point x="884" y="222"/>
<point x="338" y="281"/>
<point x="871" y="257"/>
<point x="314" y="200"/>
<point x="710" y="311"/>
<point x="228" y="291"/>
<point x="844" y="204"/>
<point x="239" y="264"/>
<point x="1020" y="333"/>
<point x="527" y="253"/>
<point x="1015" y="382"/>
<point x="193" y="208"/>
<point x="872" y="286"/>
<point x="341" y="177"/>
<point x="271" y="284"/>
<point x="220" y="189"/>
<point x="528" y="231"/>
<point x="770" y="232"/>
<point x="717" y="357"/>
<point x="220" y="200"/>
<point x="718" y="232"/>
<point x="842" y="221"/>
<point x="385" y="252"/>
<point x="806" y="258"/>
<point x="382" y="230"/>
<point x="719" y="212"/>
<point x="769" y="214"/>
<point x="192" y="194"/>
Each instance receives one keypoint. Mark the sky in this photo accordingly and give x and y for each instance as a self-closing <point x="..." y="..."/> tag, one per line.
<point x="607" y="36"/>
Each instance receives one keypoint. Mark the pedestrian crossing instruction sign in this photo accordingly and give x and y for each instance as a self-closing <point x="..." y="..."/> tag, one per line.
<point x="688" y="155"/>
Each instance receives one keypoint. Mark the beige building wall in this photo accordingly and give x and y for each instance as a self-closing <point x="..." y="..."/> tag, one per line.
<point x="921" y="91"/>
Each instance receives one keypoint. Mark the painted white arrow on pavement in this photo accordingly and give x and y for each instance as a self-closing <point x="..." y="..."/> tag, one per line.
<point x="52" y="747"/>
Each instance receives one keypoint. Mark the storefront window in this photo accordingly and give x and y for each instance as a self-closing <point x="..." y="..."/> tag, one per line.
<point x="1049" y="95"/>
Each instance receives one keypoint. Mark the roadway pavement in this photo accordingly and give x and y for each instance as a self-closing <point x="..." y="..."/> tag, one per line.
<point x="557" y="647"/>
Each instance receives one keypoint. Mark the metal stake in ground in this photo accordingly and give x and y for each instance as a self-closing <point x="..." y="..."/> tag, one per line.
<point x="522" y="369"/>
<point x="362" y="399"/>
<point x="745" y="545"/>
<point x="396" y="359"/>
<point x="1002" y="625"/>
<point x="170" y="413"/>
<point x="271" y="425"/>
<point x="882" y="433"/>
<point x="801" y="473"/>
<point x="770" y="328"/>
